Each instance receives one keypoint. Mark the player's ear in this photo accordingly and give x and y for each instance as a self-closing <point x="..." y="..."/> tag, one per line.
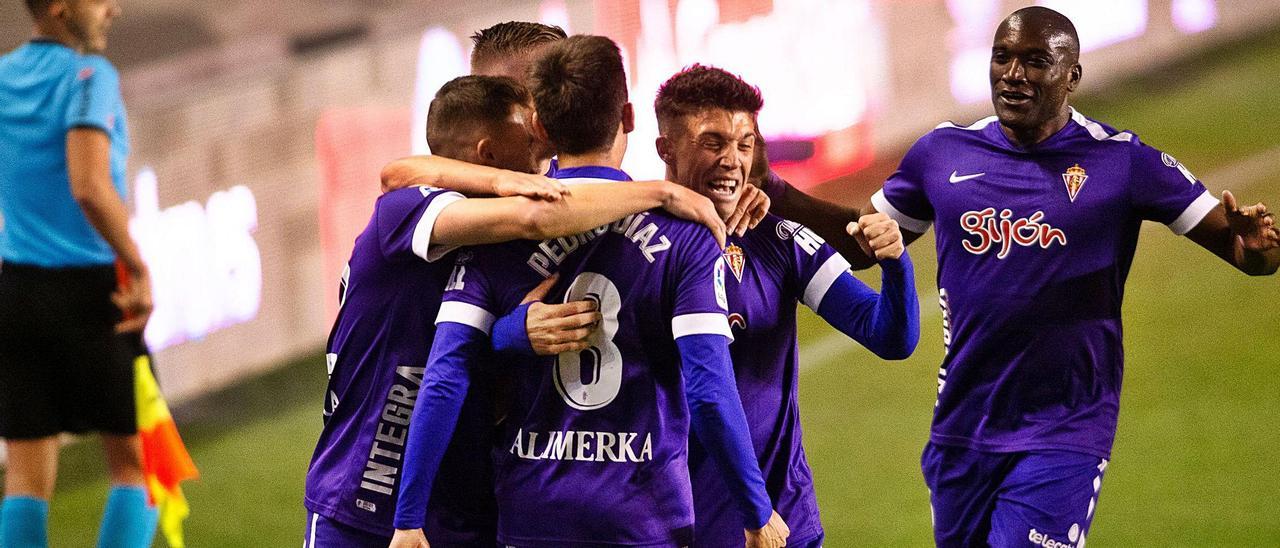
<point x="664" y="145"/>
<point x="484" y="151"/>
<point x="628" y="118"/>
<point x="539" y="130"/>
<point x="1073" y="81"/>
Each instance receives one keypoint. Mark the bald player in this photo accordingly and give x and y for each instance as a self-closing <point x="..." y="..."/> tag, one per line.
<point x="1037" y="211"/>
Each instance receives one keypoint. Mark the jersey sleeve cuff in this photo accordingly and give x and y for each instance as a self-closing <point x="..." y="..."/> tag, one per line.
<point x="1194" y="213"/>
<point x="905" y="221"/>
<point x="466" y="314"/>
<point x="711" y="323"/>
<point x="823" y="279"/>
<point x="422" y="245"/>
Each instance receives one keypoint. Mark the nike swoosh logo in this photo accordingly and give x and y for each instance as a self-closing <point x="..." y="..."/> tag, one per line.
<point x="957" y="178"/>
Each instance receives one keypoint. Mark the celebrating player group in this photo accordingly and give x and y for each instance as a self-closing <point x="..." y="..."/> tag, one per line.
<point x="655" y="404"/>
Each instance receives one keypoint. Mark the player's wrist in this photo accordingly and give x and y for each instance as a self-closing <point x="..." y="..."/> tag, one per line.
<point x="665" y="192"/>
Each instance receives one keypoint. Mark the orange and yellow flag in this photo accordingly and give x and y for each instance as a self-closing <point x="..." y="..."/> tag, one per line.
<point x="165" y="461"/>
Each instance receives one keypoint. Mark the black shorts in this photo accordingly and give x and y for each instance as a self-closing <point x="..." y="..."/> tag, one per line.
<point x="62" y="366"/>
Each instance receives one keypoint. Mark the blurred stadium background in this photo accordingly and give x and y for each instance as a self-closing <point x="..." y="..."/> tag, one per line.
<point x="258" y="130"/>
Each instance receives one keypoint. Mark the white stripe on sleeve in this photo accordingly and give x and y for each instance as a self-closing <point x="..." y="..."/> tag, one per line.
<point x="465" y="314"/>
<point x="821" y="282"/>
<point x="422" y="245"/>
<point x="910" y="223"/>
<point x="1193" y="214"/>
<point x="710" y="323"/>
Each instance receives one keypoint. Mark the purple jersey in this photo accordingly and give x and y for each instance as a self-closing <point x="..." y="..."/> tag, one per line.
<point x="594" y="449"/>
<point x="1033" y="250"/>
<point x="772" y="268"/>
<point x="389" y="296"/>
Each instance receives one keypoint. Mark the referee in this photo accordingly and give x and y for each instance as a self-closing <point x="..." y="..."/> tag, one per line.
<point x="65" y="321"/>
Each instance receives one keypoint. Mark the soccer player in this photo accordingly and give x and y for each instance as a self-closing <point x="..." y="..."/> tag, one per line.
<point x="65" y="322"/>
<point x="390" y="293"/>
<point x="505" y="49"/>
<point x="707" y="136"/>
<point x="593" y="451"/>
<point x="1037" y="211"/>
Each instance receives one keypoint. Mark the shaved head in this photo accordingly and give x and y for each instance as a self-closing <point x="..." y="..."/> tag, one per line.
<point x="1055" y="27"/>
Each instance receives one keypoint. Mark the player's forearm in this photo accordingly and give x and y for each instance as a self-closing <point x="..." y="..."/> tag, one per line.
<point x="440" y="172"/>
<point x="1214" y="234"/>
<point x="89" y="171"/>
<point x="444" y="388"/>
<point x="593" y="205"/>
<point x="824" y="218"/>
<point x="888" y="323"/>
<point x="717" y="419"/>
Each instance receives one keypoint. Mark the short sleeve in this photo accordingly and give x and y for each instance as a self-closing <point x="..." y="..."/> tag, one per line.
<point x="816" y="264"/>
<point x="1163" y="190"/>
<point x="470" y="296"/>
<point x="95" y="95"/>
<point x="406" y="218"/>
<point x="903" y="197"/>
<point x="700" y="302"/>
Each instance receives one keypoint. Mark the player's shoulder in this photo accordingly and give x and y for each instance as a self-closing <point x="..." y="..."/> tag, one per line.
<point x="947" y="137"/>
<point x="92" y="65"/>
<point x="415" y="194"/>
<point x="951" y="128"/>
<point x="657" y="224"/>
<point x="777" y="237"/>
<point x="1098" y="133"/>
<point x="951" y="131"/>
<point x="775" y="231"/>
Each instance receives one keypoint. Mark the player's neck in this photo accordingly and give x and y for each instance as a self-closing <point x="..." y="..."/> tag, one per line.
<point x="1030" y="137"/>
<point x="62" y="36"/>
<point x="608" y="157"/>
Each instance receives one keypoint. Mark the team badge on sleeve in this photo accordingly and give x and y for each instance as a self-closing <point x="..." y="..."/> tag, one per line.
<point x="736" y="259"/>
<point x="1174" y="163"/>
<point x="722" y="298"/>
<point x="1074" y="179"/>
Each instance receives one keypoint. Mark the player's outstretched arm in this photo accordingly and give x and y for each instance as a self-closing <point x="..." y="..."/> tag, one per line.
<point x="886" y="323"/>
<point x="468" y="179"/>
<point x="494" y="220"/>
<point x="824" y="218"/>
<point x="444" y="388"/>
<point x="1245" y="237"/>
<point x="717" y="419"/>
<point x="89" y="170"/>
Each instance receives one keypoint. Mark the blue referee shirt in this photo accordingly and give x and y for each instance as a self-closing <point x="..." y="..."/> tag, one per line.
<point x="46" y="89"/>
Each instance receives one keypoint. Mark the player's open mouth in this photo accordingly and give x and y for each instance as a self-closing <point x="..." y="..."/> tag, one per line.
<point x="1014" y="98"/>
<point x="723" y="187"/>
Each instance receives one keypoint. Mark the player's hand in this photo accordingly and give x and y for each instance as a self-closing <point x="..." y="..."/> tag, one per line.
<point x="409" y="538"/>
<point x="753" y="205"/>
<point x="133" y="298"/>
<point x="1253" y="228"/>
<point x="529" y="185"/>
<point x="558" y="328"/>
<point x="772" y="535"/>
<point x="689" y="205"/>
<point x="878" y="236"/>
